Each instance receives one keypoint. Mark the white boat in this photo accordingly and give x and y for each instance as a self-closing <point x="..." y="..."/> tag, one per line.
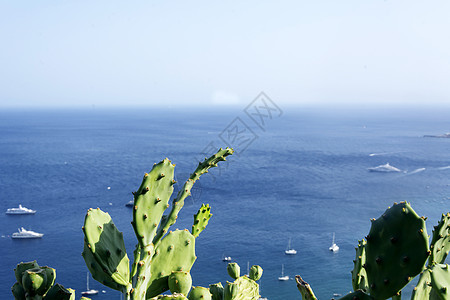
<point x="20" y="211"/>
<point x="333" y="246"/>
<point x="283" y="277"/>
<point x="226" y="258"/>
<point x="88" y="290"/>
<point x="130" y="203"/>
<point x="289" y="250"/>
<point x="26" y="234"/>
<point x="386" y="168"/>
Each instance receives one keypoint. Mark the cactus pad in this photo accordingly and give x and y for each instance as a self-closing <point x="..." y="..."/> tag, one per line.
<point x="106" y="246"/>
<point x="151" y="200"/>
<point x="180" y="282"/>
<point x="396" y="250"/>
<point x="201" y="219"/>
<point x="440" y="280"/>
<point x="423" y="288"/>
<point x="234" y="270"/>
<point x="176" y="252"/>
<point x="199" y="293"/>
<point x="359" y="276"/>
<point x="440" y="242"/>
<point x="255" y="272"/>
<point x="305" y="289"/>
<point x="58" y="292"/>
<point x="216" y="291"/>
<point x="231" y="291"/>
<point x="248" y="289"/>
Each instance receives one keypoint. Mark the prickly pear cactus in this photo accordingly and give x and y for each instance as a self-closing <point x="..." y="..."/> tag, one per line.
<point x="201" y="219"/>
<point x="36" y="283"/>
<point x="440" y="280"/>
<point x="199" y="293"/>
<point x="396" y="251"/>
<point x="305" y="289"/>
<point x="158" y="252"/>
<point x="216" y="291"/>
<point x="180" y="282"/>
<point x="440" y="242"/>
<point x="359" y="276"/>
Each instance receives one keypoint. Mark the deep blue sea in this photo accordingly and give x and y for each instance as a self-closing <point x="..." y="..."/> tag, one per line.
<point x="301" y="175"/>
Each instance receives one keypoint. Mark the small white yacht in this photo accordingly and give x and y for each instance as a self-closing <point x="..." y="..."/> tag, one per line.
<point x="333" y="246"/>
<point x="283" y="277"/>
<point x="226" y="258"/>
<point x="386" y="168"/>
<point x="130" y="203"/>
<point x="88" y="290"/>
<point x="20" y="211"/>
<point x="26" y="234"/>
<point x="289" y="250"/>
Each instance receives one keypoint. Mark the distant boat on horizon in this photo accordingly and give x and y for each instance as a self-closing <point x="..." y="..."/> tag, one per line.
<point x="386" y="168"/>
<point x="283" y="277"/>
<point x="26" y="234"/>
<point x="226" y="258"/>
<point x="289" y="250"/>
<point x="88" y="290"/>
<point x="333" y="246"/>
<point x="21" y="210"/>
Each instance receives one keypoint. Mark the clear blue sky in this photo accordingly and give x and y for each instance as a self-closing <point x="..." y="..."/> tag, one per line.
<point x="111" y="53"/>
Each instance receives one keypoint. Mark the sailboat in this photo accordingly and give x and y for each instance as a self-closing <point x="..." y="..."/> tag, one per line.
<point x="88" y="291"/>
<point x="333" y="246"/>
<point x="289" y="250"/>
<point x="282" y="277"/>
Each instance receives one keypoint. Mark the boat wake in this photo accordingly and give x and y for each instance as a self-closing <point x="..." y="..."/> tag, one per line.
<point x="444" y="168"/>
<point x="416" y="171"/>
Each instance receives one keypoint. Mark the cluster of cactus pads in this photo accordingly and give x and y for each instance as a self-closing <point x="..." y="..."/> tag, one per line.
<point x="35" y="283"/>
<point x="395" y="251"/>
<point x="162" y="258"/>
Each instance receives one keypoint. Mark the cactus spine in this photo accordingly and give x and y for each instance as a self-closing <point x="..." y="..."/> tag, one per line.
<point x="158" y="252"/>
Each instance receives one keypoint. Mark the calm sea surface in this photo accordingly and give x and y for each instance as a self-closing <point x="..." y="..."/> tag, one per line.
<point x="300" y="176"/>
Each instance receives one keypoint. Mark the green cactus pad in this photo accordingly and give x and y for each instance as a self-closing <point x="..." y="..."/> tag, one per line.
<point x="22" y="267"/>
<point x="234" y="270"/>
<point x="231" y="291"/>
<point x="201" y="219"/>
<point x="199" y="293"/>
<point x="305" y="289"/>
<point x="176" y="252"/>
<point x="358" y="295"/>
<point x="248" y="289"/>
<point x="151" y="200"/>
<point x="107" y="247"/>
<point x="359" y="276"/>
<point x="58" y="292"/>
<point x="255" y="272"/>
<point x="440" y="242"/>
<point x="18" y="291"/>
<point x="97" y="271"/>
<point x="34" y="282"/>
<point x="440" y="280"/>
<point x="396" y="250"/>
<point x="423" y="288"/>
<point x="216" y="291"/>
<point x="180" y="282"/>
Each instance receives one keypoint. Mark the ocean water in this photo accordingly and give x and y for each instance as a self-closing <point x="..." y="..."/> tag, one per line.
<point x="301" y="175"/>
